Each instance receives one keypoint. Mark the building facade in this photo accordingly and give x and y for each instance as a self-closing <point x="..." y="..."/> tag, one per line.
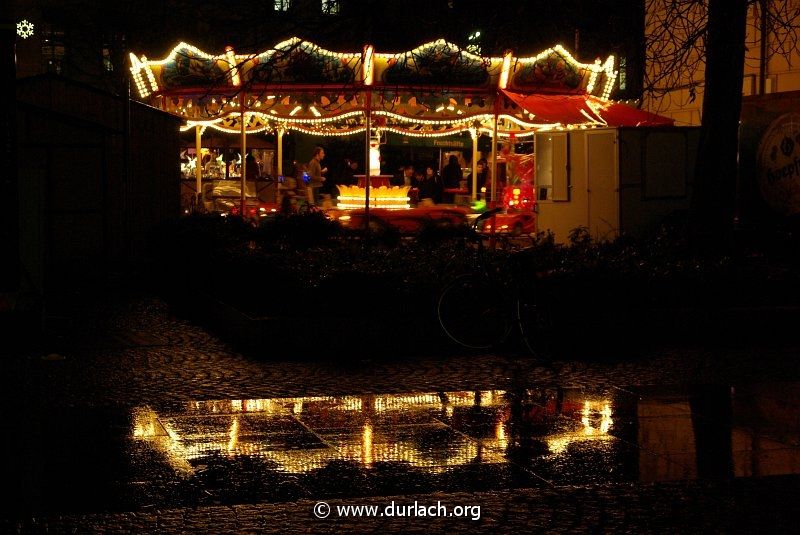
<point x="675" y="64"/>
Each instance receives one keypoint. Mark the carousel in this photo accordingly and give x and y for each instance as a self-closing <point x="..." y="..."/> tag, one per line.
<point x="435" y="90"/>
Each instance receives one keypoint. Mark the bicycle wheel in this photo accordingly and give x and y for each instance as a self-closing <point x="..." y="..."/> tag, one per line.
<point x="536" y="322"/>
<point x="473" y="313"/>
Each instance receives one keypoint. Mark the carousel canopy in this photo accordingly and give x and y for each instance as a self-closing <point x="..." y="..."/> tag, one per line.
<point x="436" y="89"/>
<point x="572" y="109"/>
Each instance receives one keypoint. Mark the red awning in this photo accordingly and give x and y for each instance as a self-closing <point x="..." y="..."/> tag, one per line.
<point x="583" y="109"/>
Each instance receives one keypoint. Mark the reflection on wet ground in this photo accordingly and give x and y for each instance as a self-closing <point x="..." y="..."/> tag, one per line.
<point x="236" y="451"/>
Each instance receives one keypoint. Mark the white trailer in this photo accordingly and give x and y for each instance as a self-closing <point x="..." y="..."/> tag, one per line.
<point x="613" y="180"/>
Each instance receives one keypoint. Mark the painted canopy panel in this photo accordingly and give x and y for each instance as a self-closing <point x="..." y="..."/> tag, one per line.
<point x="438" y="63"/>
<point x="551" y="73"/>
<point x="302" y="63"/>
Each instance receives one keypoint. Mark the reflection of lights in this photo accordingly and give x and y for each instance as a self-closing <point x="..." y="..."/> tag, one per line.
<point x="366" y="444"/>
<point x="500" y="435"/>
<point x="233" y="435"/>
<point x="605" y="418"/>
<point x="557" y="444"/>
<point x="147" y="426"/>
<point x="182" y="445"/>
<point x="585" y="418"/>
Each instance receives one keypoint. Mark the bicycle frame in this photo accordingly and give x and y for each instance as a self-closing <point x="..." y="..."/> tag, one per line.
<point x="474" y="303"/>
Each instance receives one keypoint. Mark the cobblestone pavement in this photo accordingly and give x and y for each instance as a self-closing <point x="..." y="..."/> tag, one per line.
<point x="741" y="506"/>
<point x="125" y="350"/>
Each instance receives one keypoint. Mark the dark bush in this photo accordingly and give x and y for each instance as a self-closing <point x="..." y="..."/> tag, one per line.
<point x="305" y="262"/>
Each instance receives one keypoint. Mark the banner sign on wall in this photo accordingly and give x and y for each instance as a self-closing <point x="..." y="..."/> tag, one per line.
<point x="778" y="164"/>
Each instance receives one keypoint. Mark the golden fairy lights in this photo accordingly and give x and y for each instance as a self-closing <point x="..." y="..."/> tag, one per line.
<point x="233" y="66"/>
<point x="506" y="70"/>
<point x="327" y="115"/>
<point x="242" y="64"/>
<point x="393" y="198"/>
<point x="368" y="65"/>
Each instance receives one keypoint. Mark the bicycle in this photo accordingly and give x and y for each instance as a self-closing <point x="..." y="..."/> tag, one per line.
<point x="478" y="312"/>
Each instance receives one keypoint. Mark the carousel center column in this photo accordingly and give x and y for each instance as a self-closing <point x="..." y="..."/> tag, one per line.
<point x="198" y="164"/>
<point x="368" y="71"/>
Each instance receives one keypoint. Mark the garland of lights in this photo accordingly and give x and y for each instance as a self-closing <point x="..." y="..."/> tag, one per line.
<point x="303" y="125"/>
<point x="236" y="61"/>
<point x="147" y="84"/>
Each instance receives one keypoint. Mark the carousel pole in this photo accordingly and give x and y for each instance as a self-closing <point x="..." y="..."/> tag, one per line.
<point x="474" y="135"/>
<point x="243" y="123"/>
<point x="280" y="150"/>
<point x="367" y="115"/>
<point x="505" y="73"/>
<point x="198" y="172"/>
<point x="367" y="66"/>
<point x="494" y="157"/>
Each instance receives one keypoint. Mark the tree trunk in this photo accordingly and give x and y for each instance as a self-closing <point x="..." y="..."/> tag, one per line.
<point x="714" y="194"/>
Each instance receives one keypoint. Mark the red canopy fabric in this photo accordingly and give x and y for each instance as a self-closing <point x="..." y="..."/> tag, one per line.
<point x="583" y="109"/>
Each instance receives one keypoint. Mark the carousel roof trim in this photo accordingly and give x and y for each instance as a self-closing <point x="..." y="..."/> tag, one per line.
<point x="474" y="123"/>
<point x="435" y="63"/>
<point x="436" y="89"/>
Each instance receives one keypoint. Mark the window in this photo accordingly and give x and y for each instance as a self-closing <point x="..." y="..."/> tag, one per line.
<point x="552" y="177"/>
<point x="53" y="50"/>
<point x="330" y="7"/>
<point x="474" y="42"/>
<point x="622" y="77"/>
<point x="108" y="64"/>
<point x="282" y="5"/>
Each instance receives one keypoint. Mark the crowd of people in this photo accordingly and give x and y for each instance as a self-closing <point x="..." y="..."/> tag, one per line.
<point x="311" y="184"/>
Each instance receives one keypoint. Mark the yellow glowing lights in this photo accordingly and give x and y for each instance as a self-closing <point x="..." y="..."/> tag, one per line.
<point x="236" y="63"/>
<point x="233" y="435"/>
<point x="24" y="29"/>
<point x="368" y="65"/>
<point x="506" y="70"/>
<point x="233" y="66"/>
<point x="364" y="442"/>
<point x="393" y="198"/>
<point x="317" y="119"/>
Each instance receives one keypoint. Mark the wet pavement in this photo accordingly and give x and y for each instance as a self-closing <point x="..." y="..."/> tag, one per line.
<point x="127" y="418"/>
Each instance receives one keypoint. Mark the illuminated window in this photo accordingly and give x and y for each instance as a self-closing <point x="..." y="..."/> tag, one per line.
<point x="108" y="64"/>
<point x="282" y="5"/>
<point x="330" y="7"/>
<point x="622" y="78"/>
<point x="474" y="42"/>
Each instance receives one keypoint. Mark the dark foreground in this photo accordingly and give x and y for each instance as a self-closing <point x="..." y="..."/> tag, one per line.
<point x="124" y="418"/>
